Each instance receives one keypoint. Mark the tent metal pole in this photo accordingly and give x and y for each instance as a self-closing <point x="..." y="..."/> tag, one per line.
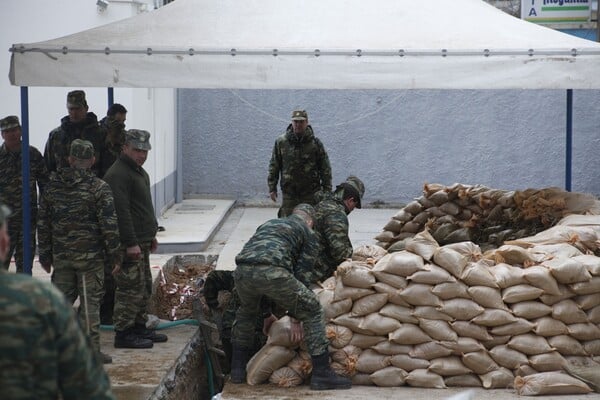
<point x="569" y="144"/>
<point x="26" y="203"/>
<point x="111" y="96"/>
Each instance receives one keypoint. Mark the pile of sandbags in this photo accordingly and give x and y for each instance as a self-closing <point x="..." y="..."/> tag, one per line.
<point x="482" y="215"/>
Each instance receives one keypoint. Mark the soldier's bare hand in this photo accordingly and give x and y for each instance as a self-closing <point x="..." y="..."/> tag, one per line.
<point x="267" y="324"/>
<point x="296" y="331"/>
<point x="273" y="196"/>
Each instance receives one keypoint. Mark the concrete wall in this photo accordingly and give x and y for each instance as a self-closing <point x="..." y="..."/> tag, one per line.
<point x="394" y="140"/>
<point x="149" y="109"/>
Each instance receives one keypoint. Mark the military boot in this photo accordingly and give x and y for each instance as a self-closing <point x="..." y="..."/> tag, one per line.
<point x="127" y="339"/>
<point x="323" y="377"/>
<point x="145" y="333"/>
<point x="239" y="358"/>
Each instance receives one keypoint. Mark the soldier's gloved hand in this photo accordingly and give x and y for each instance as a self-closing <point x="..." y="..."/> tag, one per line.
<point x="273" y="196"/>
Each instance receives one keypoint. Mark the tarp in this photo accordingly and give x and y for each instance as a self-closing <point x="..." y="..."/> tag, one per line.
<point x="314" y="44"/>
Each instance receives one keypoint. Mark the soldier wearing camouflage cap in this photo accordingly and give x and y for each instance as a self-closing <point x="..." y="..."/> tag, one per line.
<point x="137" y="226"/>
<point x="78" y="124"/>
<point x="299" y="163"/>
<point x="272" y="264"/>
<point x="42" y="346"/>
<point x="11" y="189"/>
<point x="78" y="234"/>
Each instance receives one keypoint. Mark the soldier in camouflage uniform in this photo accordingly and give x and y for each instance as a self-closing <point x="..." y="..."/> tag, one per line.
<point x="300" y="163"/>
<point x="275" y="263"/>
<point x="11" y="188"/>
<point x="331" y="225"/>
<point x="43" y="352"/>
<point x="79" y="124"/>
<point x="78" y="232"/>
<point x="137" y="226"/>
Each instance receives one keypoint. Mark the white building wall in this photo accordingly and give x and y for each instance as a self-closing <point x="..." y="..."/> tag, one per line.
<point x="150" y="109"/>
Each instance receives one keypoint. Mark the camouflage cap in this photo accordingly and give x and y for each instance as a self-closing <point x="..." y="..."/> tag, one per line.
<point x="353" y="183"/>
<point x="299" y="115"/>
<point x="307" y="209"/>
<point x="5" y="212"/>
<point x="82" y="149"/>
<point x="6" y="123"/>
<point x="138" y="138"/>
<point x="76" y="98"/>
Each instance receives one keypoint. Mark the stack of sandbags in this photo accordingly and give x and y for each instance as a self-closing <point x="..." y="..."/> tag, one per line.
<point x="485" y="216"/>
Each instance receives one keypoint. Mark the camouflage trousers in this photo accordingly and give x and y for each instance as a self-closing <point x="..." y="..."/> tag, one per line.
<point x="133" y="287"/>
<point x="282" y="288"/>
<point x="68" y="276"/>
<point x="288" y="203"/>
<point x="15" y="230"/>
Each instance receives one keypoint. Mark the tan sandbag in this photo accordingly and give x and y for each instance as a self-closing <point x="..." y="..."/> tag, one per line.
<point x="467" y="380"/>
<point x="418" y="294"/>
<point x="494" y="317"/>
<point x="429" y="351"/>
<point x="469" y="249"/>
<point x="496" y="340"/>
<point x="512" y="255"/>
<point x="557" y="250"/>
<point x="451" y="260"/>
<point x="301" y="364"/>
<point x="398" y="282"/>
<point x="520" y="326"/>
<point x="361" y="379"/>
<point x="461" y="309"/>
<point x="529" y="344"/>
<point x="390" y="348"/>
<point x="524" y="370"/>
<point x="400" y="313"/>
<point x="590" y="262"/>
<point x="567" y="270"/>
<point x="438" y="198"/>
<point x="519" y="293"/>
<point x="546" y="383"/>
<point x="408" y="363"/>
<point x="342" y="292"/>
<point x="385" y="237"/>
<point x="368" y="304"/>
<point x="354" y="323"/>
<point x="429" y="312"/>
<point x="389" y="377"/>
<point x="566" y="345"/>
<point x="422" y="244"/>
<point x="368" y="252"/>
<point x="450" y="208"/>
<point x="437" y="329"/>
<point x="285" y="377"/>
<point x="569" y="312"/>
<point x="392" y="293"/>
<point x="347" y="359"/>
<point x="487" y="297"/>
<point x="337" y="308"/>
<point x="463" y="345"/>
<point x="402" y="263"/>
<point x="267" y="360"/>
<point x="471" y="330"/>
<point x="412" y="227"/>
<point x="393" y="225"/>
<point x="365" y="341"/>
<point x="355" y="274"/>
<point x="399" y="244"/>
<point x="451" y="290"/>
<point x="478" y="273"/>
<point x="479" y="362"/>
<point x="507" y="357"/>
<point x="530" y="309"/>
<point x="448" y="366"/>
<point x="507" y="275"/>
<point x="433" y="276"/>
<point x="540" y="276"/>
<point x="584" y="332"/>
<point x="589" y="373"/>
<point x="594" y="315"/>
<point x="589" y="287"/>
<point x="551" y="361"/>
<point x="413" y="207"/>
<point x="279" y="333"/>
<point x="425" y="379"/>
<point x="403" y="216"/>
<point x="409" y="334"/>
<point x="501" y="378"/>
<point x="329" y="283"/>
<point x="370" y="361"/>
<point x="338" y="335"/>
<point x="588" y="301"/>
<point x="592" y="347"/>
<point x="379" y="324"/>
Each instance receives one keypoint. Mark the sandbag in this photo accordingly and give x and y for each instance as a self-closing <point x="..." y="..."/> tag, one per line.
<point x="500" y="378"/>
<point x="549" y="383"/>
<point x="267" y="360"/>
<point x="430" y="350"/>
<point x="507" y="357"/>
<point x="479" y="362"/>
<point x="451" y="290"/>
<point x="388" y="377"/>
<point x="301" y="364"/>
<point x="425" y="379"/>
<point x="285" y="377"/>
<point x="402" y="263"/>
<point x="422" y="244"/>
<point x="370" y="361"/>
<point x="407" y="363"/>
<point x="338" y="335"/>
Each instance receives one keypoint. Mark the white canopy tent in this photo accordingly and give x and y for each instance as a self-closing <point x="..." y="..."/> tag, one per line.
<point x="314" y="44"/>
<point x="310" y="44"/>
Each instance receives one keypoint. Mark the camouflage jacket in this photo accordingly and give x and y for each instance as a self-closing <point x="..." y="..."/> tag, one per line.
<point x="43" y="352"/>
<point x="59" y="142"/>
<point x="302" y="162"/>
<point x="331" y="227"/>
<point x="77" y="218"/>
<point x="130" y="185"/>
<point x="283" y="242"/>
<point x="115" y="138"/>
<point x="11" y="184"/>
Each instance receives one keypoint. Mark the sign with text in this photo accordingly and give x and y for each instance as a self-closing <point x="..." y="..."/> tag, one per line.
<point x="556" y="11"/>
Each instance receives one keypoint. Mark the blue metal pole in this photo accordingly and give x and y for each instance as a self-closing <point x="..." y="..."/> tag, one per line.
<point x="26" y="204"/>
<point x="569" y="145"/>
<point x="111" y="96"/>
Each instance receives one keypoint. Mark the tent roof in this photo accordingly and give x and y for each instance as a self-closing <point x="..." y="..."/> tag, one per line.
<point x="333" y="44"/>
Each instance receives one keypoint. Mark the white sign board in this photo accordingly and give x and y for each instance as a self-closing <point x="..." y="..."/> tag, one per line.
<point x="556" y="11"/>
